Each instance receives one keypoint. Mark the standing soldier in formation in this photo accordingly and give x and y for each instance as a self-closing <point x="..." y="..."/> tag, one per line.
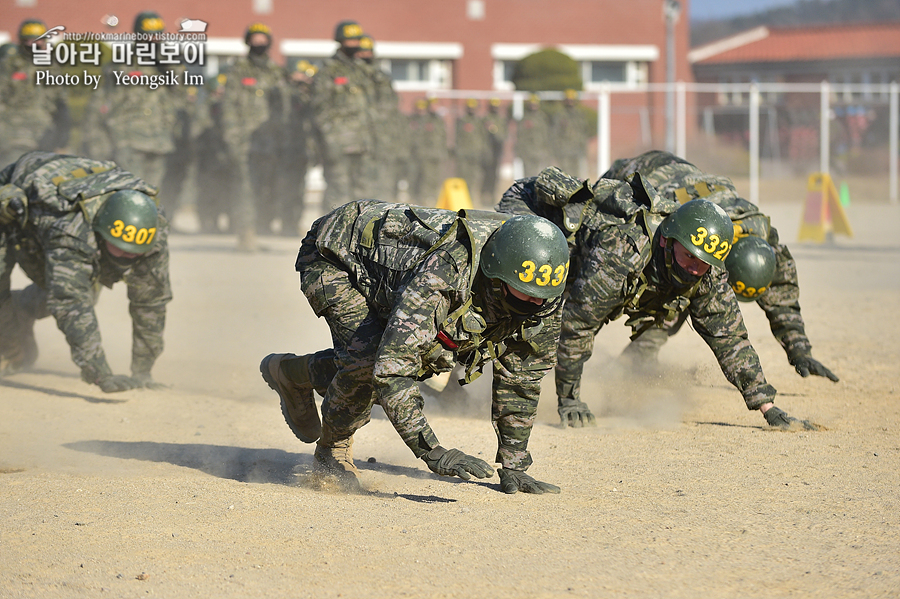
<point x="253" y="118"/>
<point x="409" y="292"/>
<point x="74" y="224"/>
<point x="497" y="126"/>
<point x="387" y="134"/>
<point x="428" y="152"/>
<point x="134" y="122"/>
<point x="570" y="135"/>
<point x="533" y="138"/>
<point x="760" y="268"/>
<point x="624" y="261"/>
<point x="341" y="92"/>
<point x="32" y="117"/>
<point x="471" y="148"/>
<point x="295" y="158"/>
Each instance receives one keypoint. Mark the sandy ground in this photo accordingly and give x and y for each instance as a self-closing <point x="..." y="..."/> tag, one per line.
<point x="202" y="491"/>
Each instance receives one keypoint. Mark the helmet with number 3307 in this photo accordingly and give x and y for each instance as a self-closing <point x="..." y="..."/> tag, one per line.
<point x="530" y="254"/>
<point x="128" y="219"/>
<point x="703" y="229"/>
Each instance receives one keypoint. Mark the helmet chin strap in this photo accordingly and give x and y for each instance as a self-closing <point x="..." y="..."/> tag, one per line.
<point x="675" y="270"/>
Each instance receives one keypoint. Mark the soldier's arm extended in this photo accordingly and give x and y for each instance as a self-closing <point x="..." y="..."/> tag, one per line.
<point x="781" y="303"/>
<point x="149" y="290"/>
<point x="517" y="389"/>
<point x="717" y="318"/>
<point x="70" y="297"/>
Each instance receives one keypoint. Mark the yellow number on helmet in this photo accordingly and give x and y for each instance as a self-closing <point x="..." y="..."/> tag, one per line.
<point x="117" y="227"/>
<point x="141" y="238"/>
<point x="710" y="247"/>
<point x="528" y="275"/>
<point x="130" y="232"/>
<point x="739" y="287"/>
<point x="559" y="275"/>
<point x="700" y="237"/>
<point x="544" y="280"/>
<point x="723" y="250"/>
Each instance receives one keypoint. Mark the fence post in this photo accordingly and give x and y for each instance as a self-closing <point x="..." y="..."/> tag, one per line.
<point x="603" y="135"/>
<point x="754" y="143"/>
<point x="681" y="122"/>
<point x="825" y="129"/>
<point x="895" y="139"/>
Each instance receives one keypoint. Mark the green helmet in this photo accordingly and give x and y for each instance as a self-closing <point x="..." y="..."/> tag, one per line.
<point x="347" y="30"/>
<point x="149" y="22"/>
<point x="30" y="29"/>
<point x="703" y="229"/>
<point x="530" y="254"/>
<point x="128" y="219"/>
<point x="751" y="266"/>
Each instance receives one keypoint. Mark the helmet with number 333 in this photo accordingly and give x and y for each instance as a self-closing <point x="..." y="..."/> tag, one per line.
<point x="530" y="254"/>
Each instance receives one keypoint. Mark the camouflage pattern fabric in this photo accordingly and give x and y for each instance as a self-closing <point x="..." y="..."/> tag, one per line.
<point x="428" y="156"/>
<point x="402" y="294"/>
<point x="340" y="96"/>
<point x="471" y="151"/>
<point x="615" y="270"/>
<point x="32" y="117"/>
<point x="388" y="138"/>
<point x="533" y="141"/>
<point x="60" y="253"/>
<point x="681" y="180"/>
<point x="570" y="138"/>
<point x="295" y="159"/>
<point x="254" y="111"/>
<point x="497" y="126"/>
<point x="136" y="122"/>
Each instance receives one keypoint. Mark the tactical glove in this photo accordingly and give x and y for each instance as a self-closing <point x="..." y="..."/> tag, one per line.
<point x="512" y="481"/>
<point x="807" y="365"/>
<point x="779" y="419"/>
<point x="115" y="383"/>
<point x="453" y="462"/>
<point x="575" y="413"/>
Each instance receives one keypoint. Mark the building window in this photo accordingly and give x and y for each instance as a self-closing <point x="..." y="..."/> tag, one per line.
<point x="598" y="72"/>
<point x="475" y="10"/>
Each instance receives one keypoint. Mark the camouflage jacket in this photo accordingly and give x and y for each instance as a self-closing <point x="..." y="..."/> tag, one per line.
<point x="428" y="136"/>
<point x="31" y="116"/>
<point x="570" y="131"/>
<point x="533" y="135"/>
<point x="136" y="116"/>
<point x="471" y="138"/>
<point x="682" y="181"/>
<point x="418" y="268"/>
<point x="340" y="96"/>
<point x="614" y="271"/>
<point x="255" y="106"/>
<point x="60" y="252"/>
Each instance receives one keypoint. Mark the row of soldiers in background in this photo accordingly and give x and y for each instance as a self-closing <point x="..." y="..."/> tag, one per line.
<point x="241" y="145"/>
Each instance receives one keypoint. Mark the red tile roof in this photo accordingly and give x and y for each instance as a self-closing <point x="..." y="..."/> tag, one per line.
<point x="833" y="42"/>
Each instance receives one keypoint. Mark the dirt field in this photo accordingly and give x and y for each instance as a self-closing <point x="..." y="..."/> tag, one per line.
<point x="202" y="491"/>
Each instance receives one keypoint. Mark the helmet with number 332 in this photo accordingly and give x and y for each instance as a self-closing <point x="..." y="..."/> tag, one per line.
<point x="703" y="229"/>
<point x="751" y="266"/>
<point x="128" y="219"/>
<point x="530" y="254"/>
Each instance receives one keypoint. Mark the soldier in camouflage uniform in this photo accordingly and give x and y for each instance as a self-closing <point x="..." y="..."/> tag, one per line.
<point x="254" y="110"/>
<point x="388" y="135"/>
<point x="74" y="224"/>
<point x="137" y="123"/>
<point x="295" y="158"/>
<point x="570" y="135"/>
<point x="408" y="292"/>
<point x="32" y="117"/>
<point x="624" y="261"/>
<point x="428" y="152"/>
<point x="533" y="138"/>
<point x="471" y="147"/>
<point x="681" y="181"/>
<point x="341" y="93"/>
<point x="497" y="126"/>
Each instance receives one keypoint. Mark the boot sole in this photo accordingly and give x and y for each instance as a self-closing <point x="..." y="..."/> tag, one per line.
<point x="307" y="436"/>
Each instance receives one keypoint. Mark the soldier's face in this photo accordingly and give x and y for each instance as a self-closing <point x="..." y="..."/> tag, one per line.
<point x="120" y="254"/>
<point x="538" y="301"/>
<point x="688" y="261"/>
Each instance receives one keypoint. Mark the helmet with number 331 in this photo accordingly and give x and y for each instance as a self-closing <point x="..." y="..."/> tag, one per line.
<point x="530" y="254"/>
<point x="128" y="219"/>
<point x="703" y="229"/>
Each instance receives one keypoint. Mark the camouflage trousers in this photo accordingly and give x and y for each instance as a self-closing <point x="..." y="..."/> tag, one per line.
<point x="345" y="180"/>
<point x="356" y="332"/>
